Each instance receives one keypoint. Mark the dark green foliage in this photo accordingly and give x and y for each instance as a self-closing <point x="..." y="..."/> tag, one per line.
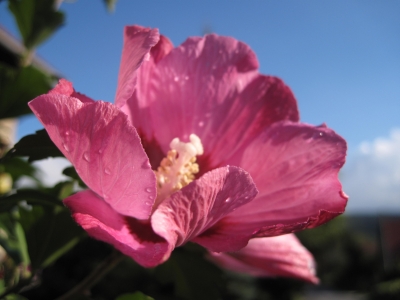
<point x="20" y="85"/>
<point x="35" y="146"/>
<point x="37" y="20"/>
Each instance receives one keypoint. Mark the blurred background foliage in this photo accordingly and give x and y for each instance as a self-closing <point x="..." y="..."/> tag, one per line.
<point x="44" y="254"/>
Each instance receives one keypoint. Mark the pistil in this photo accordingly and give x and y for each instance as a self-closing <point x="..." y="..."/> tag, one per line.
<point x="178" y="168"/>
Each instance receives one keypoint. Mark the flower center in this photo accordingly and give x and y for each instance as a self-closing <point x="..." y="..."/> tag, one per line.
<point x="178" y="168"/>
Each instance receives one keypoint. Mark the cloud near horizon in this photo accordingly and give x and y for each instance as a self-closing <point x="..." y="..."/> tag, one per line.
<point x="372" y="176"/>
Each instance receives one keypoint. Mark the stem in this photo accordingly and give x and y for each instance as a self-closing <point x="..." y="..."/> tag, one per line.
<point x="98" y="273"/>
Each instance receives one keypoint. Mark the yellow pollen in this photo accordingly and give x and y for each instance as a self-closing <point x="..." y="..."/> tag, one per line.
<point x="179" y="167"/>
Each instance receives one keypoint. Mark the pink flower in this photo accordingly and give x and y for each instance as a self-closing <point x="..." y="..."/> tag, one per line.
<point x="258" y="172"/>
<point x="269" y="257"/>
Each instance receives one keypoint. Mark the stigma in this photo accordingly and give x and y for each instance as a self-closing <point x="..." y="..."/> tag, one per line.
<point x="179" y="167"/>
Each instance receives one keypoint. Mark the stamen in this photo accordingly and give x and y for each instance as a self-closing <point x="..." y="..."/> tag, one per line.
<point x="179" y="167"/>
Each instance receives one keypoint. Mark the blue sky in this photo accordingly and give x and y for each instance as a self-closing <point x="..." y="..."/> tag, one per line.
<point x="341" y="59"/>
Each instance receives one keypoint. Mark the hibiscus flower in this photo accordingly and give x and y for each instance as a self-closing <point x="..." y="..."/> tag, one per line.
<point x="198" y="147"/>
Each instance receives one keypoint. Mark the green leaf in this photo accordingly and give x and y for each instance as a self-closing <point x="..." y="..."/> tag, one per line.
<point x="37" y="20"/>
<point x="35" y="146"/>
<point x="193" y="276"/>
<point x="20" y="234"/>
<point x="134" y="296"/>
<point x="15" y="297"/>
<point x="9" y="239"/>
<point x="66" y="188"/>
<point x="110" y="4"/>
<point x="18" y="167"/>
<point x="71" y="172"/>
<point x="31" y="196"/>
<point x="20" y="85"/>
<point x="51" y="236"/>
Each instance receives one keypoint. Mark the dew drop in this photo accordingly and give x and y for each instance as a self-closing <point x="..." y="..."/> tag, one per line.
<point x="100" y="151"/>
<point x="86" y="156"/>
<point x="148" y="203"/>
<point x="176" y="78"/>
<point x="186" y="77"/>
<point x="67" y="133"/>
<point x="151" y="197"/>
<point x="107" y="171"/>
<point x="201" y="124"/>
<point x="65" y="147"/>
<point x="146" y="164"/>
<point x="321" y="134"/>
<point x="148" y="190"/>
<point x="227" y="200"/>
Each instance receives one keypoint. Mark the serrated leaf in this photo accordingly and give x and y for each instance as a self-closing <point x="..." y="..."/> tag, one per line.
<point x="35" y="146"/>
<point x="37" y="20"/>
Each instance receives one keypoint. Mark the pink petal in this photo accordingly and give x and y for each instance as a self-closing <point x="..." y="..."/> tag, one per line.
<point x="264" y="101"/>
<point x="64" y="87"/>
<point x="130" y="236"/>
<point x="185" y="80"/>
<point x="192" y="210"/>
<point x="161" y="49"/>
<point x="104" y="148"/>
<point x="295" y="167"/>
<point x="273" y="256"/>
<point x="137" y="44"/>
<point x="136" y="107"/>
<point x="209" y="86"/>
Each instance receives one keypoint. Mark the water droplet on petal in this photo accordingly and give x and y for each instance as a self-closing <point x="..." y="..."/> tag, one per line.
<point x="65" y="146"/>
<point x="148" y="190"/>
<point x="227" y="200"/>
<point x="176" y="78"/>
<point x="321" y="134"/>
<point x="86" y="156"/>
<point x="67" y="133"/>
<point x="186" y="77"/>
<point x="201" y="124"/>
<point x="100" y="151"/>
<point x="146" y="164"/>
<point x="151" y="197"/>
<point x="107" y="171"/>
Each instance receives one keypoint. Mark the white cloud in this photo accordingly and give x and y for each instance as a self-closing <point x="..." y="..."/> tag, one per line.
<point x="51" y="170"/>
<point x="372" y="176"/>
